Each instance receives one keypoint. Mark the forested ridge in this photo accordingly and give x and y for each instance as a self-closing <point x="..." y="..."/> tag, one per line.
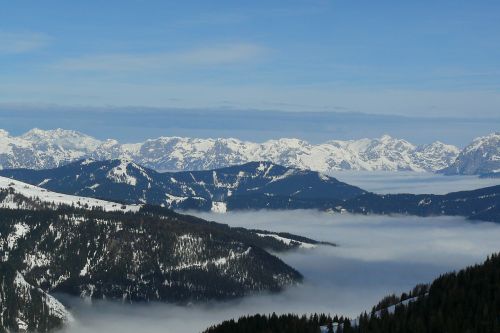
<point x="467" y="301"/>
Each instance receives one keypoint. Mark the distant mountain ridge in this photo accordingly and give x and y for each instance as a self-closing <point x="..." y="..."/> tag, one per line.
<point x="41" y="149"/>
<point x="251" y="186"/>
<point x="481" y="204"/>
<point x="254" y="185"/>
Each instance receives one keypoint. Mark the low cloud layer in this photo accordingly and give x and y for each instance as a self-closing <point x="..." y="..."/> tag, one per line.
<point x="377" y="256"/>
<point x="412" y="182"/>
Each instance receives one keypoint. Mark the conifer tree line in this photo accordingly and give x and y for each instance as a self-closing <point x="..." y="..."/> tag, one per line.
<point x="467" y="301"/>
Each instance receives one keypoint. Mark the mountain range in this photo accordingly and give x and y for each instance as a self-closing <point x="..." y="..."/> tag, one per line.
<point x="255" y="185"/>
<point x="128" y="249"/>
<point x="52" y="242"/>
<point x="251" y="186"/>
<point x="40" y="149"/>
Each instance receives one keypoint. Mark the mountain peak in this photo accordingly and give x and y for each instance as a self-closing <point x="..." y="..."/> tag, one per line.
<point x="481" y="157"/>
<point x="58" y="132"/>
<point x="492" y="139"/>
<point x="67" y="139"/>
<point x="124" y="171"/>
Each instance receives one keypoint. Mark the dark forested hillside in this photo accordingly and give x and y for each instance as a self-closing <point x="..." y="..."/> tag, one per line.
<point x="273" y="323"/>
<point x="147" y="253"/>
<point x="26" y="308"/>
<point x="481" y="204"/>
<point x="467" y="301"/>
<point x="150" y="255"/>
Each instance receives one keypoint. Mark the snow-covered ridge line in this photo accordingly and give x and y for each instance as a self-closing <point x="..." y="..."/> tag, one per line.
<point x="39" y="149"/>
<point x="45" y="196"/>
<point x="288" y="241"/>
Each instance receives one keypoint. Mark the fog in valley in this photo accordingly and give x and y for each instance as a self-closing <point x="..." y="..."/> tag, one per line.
<point x="376" y="256"/>
<point x="412" y="182"/>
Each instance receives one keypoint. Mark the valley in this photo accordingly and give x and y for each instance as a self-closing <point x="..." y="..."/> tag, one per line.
<point x="376" y="256"/>
<point x="314" y="273"/>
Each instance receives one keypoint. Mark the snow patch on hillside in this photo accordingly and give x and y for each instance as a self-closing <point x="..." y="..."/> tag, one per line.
<point x="119" y="174"/>
<point x="46" y="196"/>
<point x="288" y="241"/>
<point x="219" y="207"/>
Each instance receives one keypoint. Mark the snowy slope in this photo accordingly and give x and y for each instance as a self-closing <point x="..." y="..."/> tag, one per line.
<point x="39" y="149"/>
<point x="46" y="196"/>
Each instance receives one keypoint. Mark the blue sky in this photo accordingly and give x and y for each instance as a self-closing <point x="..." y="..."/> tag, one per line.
<point x="412" y="58"/>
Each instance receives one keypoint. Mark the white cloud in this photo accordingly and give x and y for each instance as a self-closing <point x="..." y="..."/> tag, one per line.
<point x="125" y="62"/>
<point x="412" y="182"/>
<point x="22" y="42"/>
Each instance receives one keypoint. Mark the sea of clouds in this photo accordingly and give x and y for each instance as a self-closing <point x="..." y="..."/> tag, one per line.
<point x="376" y="256"/>
<point x="412" y="182"/>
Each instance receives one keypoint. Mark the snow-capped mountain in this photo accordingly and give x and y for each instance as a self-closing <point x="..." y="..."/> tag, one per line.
<point x="256" y="185"/>
<point x="481" y="157"/>
<point x="69" y="140"/>
<point x="385" y="153"/>
<point x="39" y="149"/>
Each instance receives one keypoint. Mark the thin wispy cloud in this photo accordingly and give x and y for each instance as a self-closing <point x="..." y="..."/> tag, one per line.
<point x="205" y="56"/>
<point x="22" y="42"/>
